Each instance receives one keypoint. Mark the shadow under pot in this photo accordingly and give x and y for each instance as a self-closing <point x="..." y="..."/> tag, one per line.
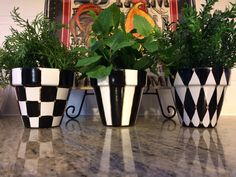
<point x="42" y="95"/>
<point x="119" y="95"/>
<point x="199" y="95"/>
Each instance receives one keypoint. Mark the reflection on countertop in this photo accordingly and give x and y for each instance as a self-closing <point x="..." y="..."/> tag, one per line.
<point x="84" y="147"/>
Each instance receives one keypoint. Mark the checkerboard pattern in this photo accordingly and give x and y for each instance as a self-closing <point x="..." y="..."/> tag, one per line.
<point x="42" y="95"/>
<point x="37" y="148"/>
<point x="119" y="96"/>
<point x="199" y="95"/>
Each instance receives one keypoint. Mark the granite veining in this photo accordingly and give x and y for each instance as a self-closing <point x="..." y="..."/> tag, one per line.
<point x="84" y="147"/>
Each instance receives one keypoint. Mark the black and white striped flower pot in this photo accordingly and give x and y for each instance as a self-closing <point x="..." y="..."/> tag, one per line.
<point x="42" y="95"/>
<point x="119" y="96"/>
<point x="199" y="95"/>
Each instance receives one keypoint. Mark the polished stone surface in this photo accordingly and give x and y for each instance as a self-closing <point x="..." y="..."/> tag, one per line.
<point x="153" y="147"/>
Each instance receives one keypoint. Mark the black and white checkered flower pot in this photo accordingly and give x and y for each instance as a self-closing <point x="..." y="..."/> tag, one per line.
<point x="199" y="95"/>
<point x="119" y="96"/>
<point x="39" y="148"/>
<point x="42" y="95"/>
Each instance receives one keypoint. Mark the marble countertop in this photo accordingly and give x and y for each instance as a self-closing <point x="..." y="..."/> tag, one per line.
<point x="153" y="147"/>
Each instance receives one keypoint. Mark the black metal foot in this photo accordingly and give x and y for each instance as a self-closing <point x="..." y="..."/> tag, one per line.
<point x="73" y="108"/>
<point x="170" y="108"/>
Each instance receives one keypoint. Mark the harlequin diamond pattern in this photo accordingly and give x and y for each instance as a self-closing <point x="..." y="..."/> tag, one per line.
<point x="189" y="103"/>
<point x="201" y="105"/>
<point x="220" y="102"/>
<point x="195" y="144"/>
<point x="199" y="95"/>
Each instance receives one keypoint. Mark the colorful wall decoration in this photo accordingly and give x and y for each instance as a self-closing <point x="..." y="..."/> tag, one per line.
<point x="66" y="12"/>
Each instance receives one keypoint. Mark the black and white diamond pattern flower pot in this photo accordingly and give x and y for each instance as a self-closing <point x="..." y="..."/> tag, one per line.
<point x="119" y="96"/>
<point x="199" y="95"/>
<point x="194" y="144"/>
<point x="42" y="94"/>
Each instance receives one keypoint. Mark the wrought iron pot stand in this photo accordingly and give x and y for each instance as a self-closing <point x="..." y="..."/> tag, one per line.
<point x="72" y="114"/>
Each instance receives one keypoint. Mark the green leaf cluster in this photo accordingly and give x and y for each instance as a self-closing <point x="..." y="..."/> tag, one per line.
<point x="111" y="47"/>
<point x="204" y="39"/>
<point x="36" y="45"/>
<point x="4" y="74"/>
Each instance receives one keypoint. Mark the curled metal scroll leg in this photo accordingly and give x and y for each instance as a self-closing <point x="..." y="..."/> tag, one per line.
<point x="170" y="108"/>
<point x="73" y="108"/>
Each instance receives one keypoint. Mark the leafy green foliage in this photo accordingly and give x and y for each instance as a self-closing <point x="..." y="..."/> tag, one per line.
<point x="112" y="48"/>
<point x="143" y="27"/>
<point x="36" y="45"/>
<point x="203" y="39"/>
<point x="4" y="74"/>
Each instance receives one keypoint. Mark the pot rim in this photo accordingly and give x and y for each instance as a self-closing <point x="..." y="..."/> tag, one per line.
<point x="41" y="68"/>
<point x="200" y="68"/>
<point x="216" y="81"/>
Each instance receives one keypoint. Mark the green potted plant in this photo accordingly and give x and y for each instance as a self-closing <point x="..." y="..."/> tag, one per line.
<point x="41" y="70"/>
<point x="199" y="55"/>
<point x="116" y="61"/>
<point x="4" y="86"/>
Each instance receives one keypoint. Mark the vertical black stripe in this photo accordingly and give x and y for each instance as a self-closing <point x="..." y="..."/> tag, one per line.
<point x="116" y="98"/>
<point x="138" y="93"/>
<point x="116" y="82"/>
<point x="135" y="106"/>
<point x="100" y="104"/>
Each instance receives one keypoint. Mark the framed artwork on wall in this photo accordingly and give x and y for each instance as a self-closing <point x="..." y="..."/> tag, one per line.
<point x="66" y="12"/>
